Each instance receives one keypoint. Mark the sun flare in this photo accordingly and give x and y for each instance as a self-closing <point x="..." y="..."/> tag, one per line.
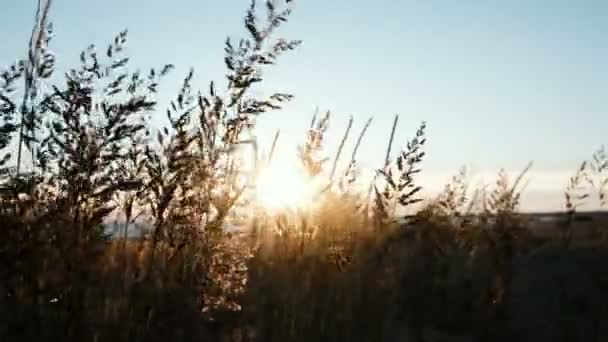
<point x="283" y="186"/>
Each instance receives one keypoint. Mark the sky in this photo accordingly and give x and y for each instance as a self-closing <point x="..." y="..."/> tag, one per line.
<point x="499" y="83"/>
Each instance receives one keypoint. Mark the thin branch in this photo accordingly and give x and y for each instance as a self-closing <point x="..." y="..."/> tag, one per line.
<point x="354" y="154"/>
<point x="274" y="145"/>
<point x="521" y="176"/>
<point x="30" y="70"/>
<point x="390" y="141"/>
<point x="314" y="118"/>
<point x="336" y="159"/>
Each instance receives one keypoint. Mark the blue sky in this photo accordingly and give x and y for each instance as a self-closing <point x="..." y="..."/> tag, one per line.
<point x="498" y="82"/>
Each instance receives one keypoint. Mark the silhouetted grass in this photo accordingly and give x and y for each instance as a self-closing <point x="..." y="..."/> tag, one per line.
<point x="377" y="265"/>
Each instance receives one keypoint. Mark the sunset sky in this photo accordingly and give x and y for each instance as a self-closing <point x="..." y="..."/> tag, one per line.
<point x="499" y="83"/>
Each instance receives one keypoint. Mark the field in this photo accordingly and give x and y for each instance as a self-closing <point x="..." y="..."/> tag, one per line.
<point x="237" y="249"/>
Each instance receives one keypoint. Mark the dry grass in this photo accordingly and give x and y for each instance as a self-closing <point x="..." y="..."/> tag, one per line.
<point x="380" y="266"/>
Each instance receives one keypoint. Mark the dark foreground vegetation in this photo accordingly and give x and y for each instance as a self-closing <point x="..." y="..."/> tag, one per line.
<point x="372" y="265"/>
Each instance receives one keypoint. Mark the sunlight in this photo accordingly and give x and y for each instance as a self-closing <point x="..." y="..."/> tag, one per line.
<point x="283" y="186"/>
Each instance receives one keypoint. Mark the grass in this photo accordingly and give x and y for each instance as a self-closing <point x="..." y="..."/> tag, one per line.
<point x="369" y="262"/>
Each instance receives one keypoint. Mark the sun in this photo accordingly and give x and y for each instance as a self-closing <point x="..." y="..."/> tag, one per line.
<point x="282" y="186"/>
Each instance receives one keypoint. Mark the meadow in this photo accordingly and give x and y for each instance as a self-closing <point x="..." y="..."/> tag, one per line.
<point x="335" y="258"/>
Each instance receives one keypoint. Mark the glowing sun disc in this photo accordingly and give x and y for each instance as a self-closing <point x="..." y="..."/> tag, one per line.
<point x="283" y="186"/>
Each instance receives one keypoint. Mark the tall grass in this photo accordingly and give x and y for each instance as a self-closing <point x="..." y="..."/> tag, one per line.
<point x="382" y="264"/>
